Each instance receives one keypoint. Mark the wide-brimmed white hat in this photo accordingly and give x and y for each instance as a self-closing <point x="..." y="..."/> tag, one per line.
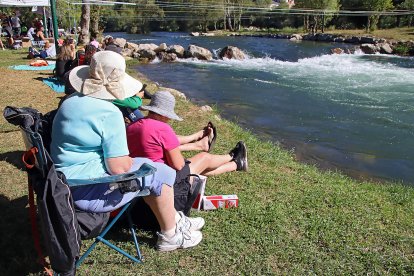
<point x="162" y="103"/>
<point x="104" y="78"/>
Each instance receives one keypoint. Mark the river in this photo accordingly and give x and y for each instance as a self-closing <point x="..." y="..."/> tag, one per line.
<point x="350" y="112"/>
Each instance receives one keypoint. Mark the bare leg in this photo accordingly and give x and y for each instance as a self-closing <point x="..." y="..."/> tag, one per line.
<point x="228" y="167"/>
<point x="204" y="163"/>
<point x="200" y="145"/>
<point x="163" y="207"/>
<point x="191" y="138"/>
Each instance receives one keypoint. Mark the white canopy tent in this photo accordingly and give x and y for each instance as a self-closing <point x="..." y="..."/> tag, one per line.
<point x="35" y="3"/>
<point x="24" y="3"/>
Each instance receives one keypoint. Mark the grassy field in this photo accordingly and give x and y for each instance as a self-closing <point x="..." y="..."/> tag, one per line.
<point x="292" y="219"/>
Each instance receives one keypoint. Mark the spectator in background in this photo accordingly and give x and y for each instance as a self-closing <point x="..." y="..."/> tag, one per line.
<point x="39" y="36"/>
<point x="64" y="59"/>
<point x="37" y="23"/>
<point x="6" y="26"/>
<point x="1" y="32"/>
<point x="16" y="24"/>
<point x="31" y="32"/>
<point x="110" y="45"/>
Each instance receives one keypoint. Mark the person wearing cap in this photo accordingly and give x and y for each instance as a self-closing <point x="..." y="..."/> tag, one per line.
<point x="152" y="137"/>
<point x="89" y="141"/>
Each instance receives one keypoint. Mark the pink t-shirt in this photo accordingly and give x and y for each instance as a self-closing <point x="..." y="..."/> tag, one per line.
<point x="151" y="139"/>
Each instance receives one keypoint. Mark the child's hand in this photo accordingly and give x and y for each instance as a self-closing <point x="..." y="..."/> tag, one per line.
<point x="140" y="94"/>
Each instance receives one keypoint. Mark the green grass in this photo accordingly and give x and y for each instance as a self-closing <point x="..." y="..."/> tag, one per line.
<point x="292" y="219"/>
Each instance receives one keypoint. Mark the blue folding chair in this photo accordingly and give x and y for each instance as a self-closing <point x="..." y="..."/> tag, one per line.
<point x="38" y="161"/>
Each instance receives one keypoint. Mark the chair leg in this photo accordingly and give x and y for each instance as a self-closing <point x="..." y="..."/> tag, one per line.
<point x="100" y="238"/>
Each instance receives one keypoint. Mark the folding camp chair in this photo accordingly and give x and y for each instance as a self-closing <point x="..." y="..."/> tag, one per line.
<point x="39" y="163"/>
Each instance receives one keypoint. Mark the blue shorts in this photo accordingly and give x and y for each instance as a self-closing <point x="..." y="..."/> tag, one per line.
<point x="102" y="199"/>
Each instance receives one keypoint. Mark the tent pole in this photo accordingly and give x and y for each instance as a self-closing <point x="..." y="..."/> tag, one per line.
<point x="45" y="22"/>
<point x="55" y="23"/>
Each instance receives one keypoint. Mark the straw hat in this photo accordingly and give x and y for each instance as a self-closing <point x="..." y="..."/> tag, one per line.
<point x="104" y="78"/>
<point x="162" y="103"/>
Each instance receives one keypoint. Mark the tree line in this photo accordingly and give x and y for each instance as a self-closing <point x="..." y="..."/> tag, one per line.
<point x="143" y="16"/>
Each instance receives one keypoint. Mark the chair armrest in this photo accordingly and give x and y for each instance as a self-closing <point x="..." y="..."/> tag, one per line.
<point x="143" y="171"/>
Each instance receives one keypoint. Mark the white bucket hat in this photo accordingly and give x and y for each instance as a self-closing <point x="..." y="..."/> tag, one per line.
<point x="104" y="78"/>
<point x="162" y="103"/>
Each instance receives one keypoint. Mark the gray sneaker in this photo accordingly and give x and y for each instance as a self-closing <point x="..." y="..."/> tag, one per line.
<point x="182" y="239"/>
<point x="192" y="224"/>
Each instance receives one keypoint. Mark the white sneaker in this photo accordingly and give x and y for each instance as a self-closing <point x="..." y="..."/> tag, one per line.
<point x="182" y="239"/>
<point x="192" y="224"/>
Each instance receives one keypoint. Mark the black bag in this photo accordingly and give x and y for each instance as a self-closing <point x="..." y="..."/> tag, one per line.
<point x="184" y="197"/>
<point x="58" y="220"/>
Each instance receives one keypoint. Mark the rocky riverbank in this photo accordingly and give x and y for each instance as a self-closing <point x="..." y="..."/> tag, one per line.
<point x="147" y="52"/>
<point x="368" y="44"/>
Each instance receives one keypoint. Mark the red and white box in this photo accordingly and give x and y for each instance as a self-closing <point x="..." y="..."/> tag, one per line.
<point x="214" y="202"/>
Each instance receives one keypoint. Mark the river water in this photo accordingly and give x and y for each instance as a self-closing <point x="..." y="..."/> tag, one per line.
<point x="350" y="112"/>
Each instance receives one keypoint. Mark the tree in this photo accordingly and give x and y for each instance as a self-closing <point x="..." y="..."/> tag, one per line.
<point x="375" y="5"/>
<point x="84" y="23"/>
<point x="318" y="19"/>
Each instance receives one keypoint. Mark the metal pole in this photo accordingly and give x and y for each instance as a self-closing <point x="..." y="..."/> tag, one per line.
<point x="55" y="23"/>
<point x="45" y="23"/>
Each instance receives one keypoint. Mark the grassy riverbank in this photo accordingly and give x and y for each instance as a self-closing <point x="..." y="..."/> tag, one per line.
<point x="405" y="33"/>
<point x="292" y="219"/>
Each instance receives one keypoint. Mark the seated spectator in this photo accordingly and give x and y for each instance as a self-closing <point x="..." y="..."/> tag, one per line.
<point x="130" y="107"/>
<point x="153" y="138"/>
<point x="39" y="35"/>
<point x="94" y="42"/>
<point x="82" y="58"/>
<point x="111" y="46"/>
<point x="65" y="58"/>
<point x="89" y="141"/>
<point x="31" y="32"/>
<point x="48" y="51"/>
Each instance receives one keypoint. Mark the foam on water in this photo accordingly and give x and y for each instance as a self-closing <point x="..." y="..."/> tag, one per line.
<point x="352" y="79"/>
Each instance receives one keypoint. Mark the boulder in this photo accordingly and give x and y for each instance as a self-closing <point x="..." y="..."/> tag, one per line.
<point x="147" y="54"/>
<point x="206" y="108"/>
<point x="337" y="51"/>
<point x="120" y="42"/>
<point x="176" y="49"/>
<point x="207" y="34"/>
<point x="166" y="57"/>
<point x="368" y="40"/>
<point x="149" y="46"/>
<point x="339" y="39"/>
<point x="175" y="92"/>
<point x="296" y="37"/>
<point x="161" y="48"/>
<point x="195" y="34"/>
<point x="127" y="52"/>
<point x="353" y="39"/>
<point x="232" y="52"/>
<point x="199" y="52"/>
<point x="132" y="46"/>
<point x="385" y="48"/>
<point x="367" y="48"/>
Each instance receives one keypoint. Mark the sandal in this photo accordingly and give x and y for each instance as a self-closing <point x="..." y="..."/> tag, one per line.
<point x="211" y="138"/>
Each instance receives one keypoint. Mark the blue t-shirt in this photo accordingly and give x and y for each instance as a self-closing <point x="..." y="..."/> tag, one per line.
<point x="85" y="132"/>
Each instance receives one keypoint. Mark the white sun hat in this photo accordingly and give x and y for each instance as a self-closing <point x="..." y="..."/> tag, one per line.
<point x="104" y="78"/>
